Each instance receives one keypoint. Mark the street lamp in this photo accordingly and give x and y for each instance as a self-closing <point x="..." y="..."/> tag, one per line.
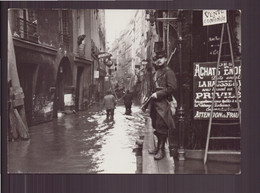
<point x="181" y="114"/>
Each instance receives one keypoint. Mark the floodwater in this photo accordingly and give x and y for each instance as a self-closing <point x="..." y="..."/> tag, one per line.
<point x="80" y="143"/>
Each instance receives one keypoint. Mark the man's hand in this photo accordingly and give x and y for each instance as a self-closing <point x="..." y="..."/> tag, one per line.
<point x="154" y="96"/>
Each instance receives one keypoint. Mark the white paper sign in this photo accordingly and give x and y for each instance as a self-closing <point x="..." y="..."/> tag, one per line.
<point x="96" y="74"/>
<point x="212" y="17"/>
<point x="68" y="100"/>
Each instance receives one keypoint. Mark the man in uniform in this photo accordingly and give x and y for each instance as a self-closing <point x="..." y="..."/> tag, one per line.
<point x="162" y="120"/>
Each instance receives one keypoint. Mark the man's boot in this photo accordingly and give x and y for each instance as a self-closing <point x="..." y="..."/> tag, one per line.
<point x="156" y="148"/>
<point x="161" y="150"/>
<point x="163" y="143"/>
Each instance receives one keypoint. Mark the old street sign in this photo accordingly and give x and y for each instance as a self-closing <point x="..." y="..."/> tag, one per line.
<point x="225" y="99"/>
<point x="212" y="17"/>
<point x="104" y="55"/>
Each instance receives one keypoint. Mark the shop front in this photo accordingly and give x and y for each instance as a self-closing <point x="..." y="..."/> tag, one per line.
<point x="188" y="43"/>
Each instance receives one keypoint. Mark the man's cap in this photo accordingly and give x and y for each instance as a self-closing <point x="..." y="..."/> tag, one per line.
<point x="158" y="55"/>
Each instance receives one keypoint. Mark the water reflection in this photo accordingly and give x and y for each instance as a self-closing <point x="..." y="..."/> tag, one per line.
<point x="79" y="143"/>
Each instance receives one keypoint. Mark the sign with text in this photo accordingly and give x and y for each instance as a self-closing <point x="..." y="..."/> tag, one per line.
<point x="212" y="17"/>
<point x="225" y="99"/>
<point x="104" y="55"/>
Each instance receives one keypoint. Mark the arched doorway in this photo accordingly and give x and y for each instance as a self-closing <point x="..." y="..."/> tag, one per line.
<point x="63" y="84"/>
<point x="79" y="90"/>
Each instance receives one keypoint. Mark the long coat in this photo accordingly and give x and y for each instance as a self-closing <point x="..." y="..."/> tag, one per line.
<point x="165" y="83"/>
<point x="109" y="102"/>
<point x="128" y="99"/>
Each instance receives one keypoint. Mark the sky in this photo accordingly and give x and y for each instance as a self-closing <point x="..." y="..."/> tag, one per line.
<point x="116" y="21"/>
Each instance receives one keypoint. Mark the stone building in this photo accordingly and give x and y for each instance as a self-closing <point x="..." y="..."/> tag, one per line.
<point x="98" y="45"/>
<point x="128" y="50"/>
<point x="55" y="53"/>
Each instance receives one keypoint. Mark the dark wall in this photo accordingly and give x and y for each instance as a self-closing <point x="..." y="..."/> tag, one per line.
<point x="37" y="75"/>
<point x="196" y="47"/>
<point x="48" y="27"/>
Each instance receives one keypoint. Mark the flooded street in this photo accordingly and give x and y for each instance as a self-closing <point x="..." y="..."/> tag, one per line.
<point x="80" y="143"/>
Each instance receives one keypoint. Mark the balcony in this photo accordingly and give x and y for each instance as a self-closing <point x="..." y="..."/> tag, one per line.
<point x="26" y="30"/>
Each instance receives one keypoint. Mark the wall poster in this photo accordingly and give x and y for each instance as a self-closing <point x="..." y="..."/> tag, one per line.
<point x="203" y="84"/>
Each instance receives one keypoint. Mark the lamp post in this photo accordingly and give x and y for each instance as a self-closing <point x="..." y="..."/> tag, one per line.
<point x="176" y="24"/>
<point x="181" y="151"/>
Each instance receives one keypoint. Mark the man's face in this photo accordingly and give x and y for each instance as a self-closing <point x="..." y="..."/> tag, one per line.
<point x="159" y="62"/>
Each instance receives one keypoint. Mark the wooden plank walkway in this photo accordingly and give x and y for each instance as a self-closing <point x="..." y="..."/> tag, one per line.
<point x="151" y="166"/>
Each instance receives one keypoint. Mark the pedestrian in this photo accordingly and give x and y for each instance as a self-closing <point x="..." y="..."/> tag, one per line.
<point x="110" y="105"/>
<point x="128" y="102"/>
<point x="164" y="83"/>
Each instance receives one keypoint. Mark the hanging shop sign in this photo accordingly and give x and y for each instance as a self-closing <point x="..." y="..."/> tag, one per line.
<point x="105" y="58"/>
<point x="212" y="17"/>
<point x="104" y="55"/>
<point x="203" y="84"/>
<point x="108" y="62"/>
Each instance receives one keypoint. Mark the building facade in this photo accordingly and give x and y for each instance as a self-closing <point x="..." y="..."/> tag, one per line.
<point x="128" y="52"/>
<point x="54" y="56"/>
<point x="189" y="42"/>
<point x="98" y="45"/>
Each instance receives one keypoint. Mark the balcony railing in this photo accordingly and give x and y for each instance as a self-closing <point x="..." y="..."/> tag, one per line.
<point x="27" y="30"/>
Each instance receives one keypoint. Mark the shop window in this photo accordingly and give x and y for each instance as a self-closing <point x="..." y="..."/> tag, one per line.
<point x="206" y="39"/>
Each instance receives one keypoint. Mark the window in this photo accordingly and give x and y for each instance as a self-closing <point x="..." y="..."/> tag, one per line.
<point x="26" y="25"/>
<point x="64" y="27"/>
<point x="65" y="22"/>
<point x="206" y="39"/>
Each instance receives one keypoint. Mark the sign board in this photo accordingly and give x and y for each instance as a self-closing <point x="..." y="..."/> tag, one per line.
<point x="68" y="100"/>
<point x="225" y="99"/>
<point x="108" y="62"/>
<point x="104" y="55"/>
<point x="212" y="17"/>
<point x="96" y="74"/>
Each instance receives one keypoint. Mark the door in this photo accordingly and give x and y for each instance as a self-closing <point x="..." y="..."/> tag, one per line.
<point x="78" y="88"/>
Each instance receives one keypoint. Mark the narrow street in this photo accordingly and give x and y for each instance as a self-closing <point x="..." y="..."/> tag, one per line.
<point x="86" y="143"/>
<point x="60" y="61"/>
<point x="80" y="143"/>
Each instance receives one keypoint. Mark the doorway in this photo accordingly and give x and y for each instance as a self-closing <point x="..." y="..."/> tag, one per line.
<point x="64" y="80"/>
<point x="78" y="88"/>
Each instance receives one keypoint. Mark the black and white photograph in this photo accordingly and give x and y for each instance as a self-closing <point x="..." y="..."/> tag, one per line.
<point x="124" y="91"/>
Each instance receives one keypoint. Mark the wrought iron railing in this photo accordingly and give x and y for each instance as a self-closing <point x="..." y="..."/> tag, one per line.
<point x="27" y="30"/>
